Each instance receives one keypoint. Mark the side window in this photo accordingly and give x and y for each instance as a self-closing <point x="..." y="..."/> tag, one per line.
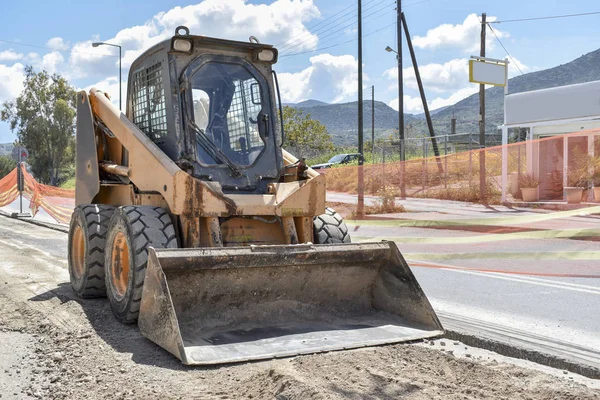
<point x="149" y="110"/>
<point x="242" y="117"/>
<point x="201" y="108"/>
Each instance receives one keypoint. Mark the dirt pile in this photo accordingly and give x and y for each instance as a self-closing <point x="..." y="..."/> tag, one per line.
<point x="53" y="346"/>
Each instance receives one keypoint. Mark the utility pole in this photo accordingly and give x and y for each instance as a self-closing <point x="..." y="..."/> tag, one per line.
<point x="361" y="178"/>
<point x="436" y="151"/>
<point x="482" y="183"/>
<point x="400" y="100"/>
<point x="372" y="124"/>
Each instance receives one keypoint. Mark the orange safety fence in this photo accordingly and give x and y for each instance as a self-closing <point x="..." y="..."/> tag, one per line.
<point x="550" y="165"/>
<point x="58" y="203"/>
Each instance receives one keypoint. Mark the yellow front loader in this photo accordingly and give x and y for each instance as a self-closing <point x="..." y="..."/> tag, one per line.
<point x="195" y="223"/>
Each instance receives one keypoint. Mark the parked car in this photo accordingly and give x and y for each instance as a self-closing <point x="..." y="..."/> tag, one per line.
<point x="338" y="159"/>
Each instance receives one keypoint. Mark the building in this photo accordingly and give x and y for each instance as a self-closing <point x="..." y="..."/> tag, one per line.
<point x="563" y="125"/>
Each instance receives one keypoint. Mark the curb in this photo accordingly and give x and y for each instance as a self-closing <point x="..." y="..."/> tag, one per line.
<point x="514" y="351"/>
<point x="55" y="227"/>
<point x="496" y="346"/>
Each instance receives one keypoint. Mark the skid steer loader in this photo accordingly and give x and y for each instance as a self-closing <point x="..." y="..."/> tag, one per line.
<point x="195" y="223"/>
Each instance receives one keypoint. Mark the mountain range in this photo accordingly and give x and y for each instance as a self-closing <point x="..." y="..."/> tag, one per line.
<point x="341" y="119"/>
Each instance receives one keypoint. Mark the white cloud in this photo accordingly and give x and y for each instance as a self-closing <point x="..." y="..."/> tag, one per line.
<point x="274" y="23"/>
<point x="51" y="62"/>
<point x="10" y="55"/>
<point x="110" y="86"/>
<point x="454" y="98"/>
<point x="513" y="70"/>
<point x="294" y="87"/>
<point x="412" y="105"/>
<point x="328" y="78"/>
<point x="11" y="81"/>
<point x="465" y="36"/>
<point x="440" y="78"/>
<point x="57" y="43"/>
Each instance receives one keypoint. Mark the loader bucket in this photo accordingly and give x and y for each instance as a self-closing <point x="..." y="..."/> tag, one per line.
<point x="223" y="305"/>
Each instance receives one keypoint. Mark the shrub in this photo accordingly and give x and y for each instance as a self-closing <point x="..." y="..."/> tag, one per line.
<point x="528" y="181"/>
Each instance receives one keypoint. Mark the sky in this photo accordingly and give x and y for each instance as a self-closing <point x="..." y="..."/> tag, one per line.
<point x="317" y="42"/>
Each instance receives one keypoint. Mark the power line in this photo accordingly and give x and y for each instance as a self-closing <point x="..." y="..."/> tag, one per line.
<point x="330" y="20"/>
<point x="338" y="44"/>
<point x="299" y="38"/>
<point x="297" y="47"/>
<point x="301" y="43"/>
<point x="507" y="53"/>
<point x="61" y="51"/>
<point x="547" y="17"/>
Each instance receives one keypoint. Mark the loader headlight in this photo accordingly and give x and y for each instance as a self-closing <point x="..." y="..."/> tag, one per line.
<point x="182" y="45"/>
<point x="265" y="55"/>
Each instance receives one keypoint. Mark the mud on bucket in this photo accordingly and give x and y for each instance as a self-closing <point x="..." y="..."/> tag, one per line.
<point x="222" y="305"/>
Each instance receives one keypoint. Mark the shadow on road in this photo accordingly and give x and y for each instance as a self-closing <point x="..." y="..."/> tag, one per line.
<point x="121" y="337"/>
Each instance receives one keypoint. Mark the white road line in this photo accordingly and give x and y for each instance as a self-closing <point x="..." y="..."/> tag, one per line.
<point x="535" y="279"/>
<point x="557" y="285"/>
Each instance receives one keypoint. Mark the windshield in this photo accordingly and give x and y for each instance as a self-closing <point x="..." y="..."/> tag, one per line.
<point x="337" y="159"/>
<point x="228" y="111"/>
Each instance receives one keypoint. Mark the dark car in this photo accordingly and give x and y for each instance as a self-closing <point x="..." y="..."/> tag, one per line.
<point x="338" y="159"/>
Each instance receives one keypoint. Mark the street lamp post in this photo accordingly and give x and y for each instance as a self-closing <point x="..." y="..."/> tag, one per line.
<point x="400" y="120"/>
<point x="96" y="44"/>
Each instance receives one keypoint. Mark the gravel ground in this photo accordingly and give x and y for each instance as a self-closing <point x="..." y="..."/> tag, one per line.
<point x="55" y="346"/>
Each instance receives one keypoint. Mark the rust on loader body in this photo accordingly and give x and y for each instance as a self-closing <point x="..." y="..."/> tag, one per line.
<point x="196" y="163"/>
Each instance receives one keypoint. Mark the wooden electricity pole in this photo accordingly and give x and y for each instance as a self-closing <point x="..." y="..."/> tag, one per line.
<point x="401" y="100"/>
<point x="482" y="180"/>
<point x="361" y="178"/>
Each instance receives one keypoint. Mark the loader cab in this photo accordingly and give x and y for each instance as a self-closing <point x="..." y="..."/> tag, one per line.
<point x="210" y="105"/>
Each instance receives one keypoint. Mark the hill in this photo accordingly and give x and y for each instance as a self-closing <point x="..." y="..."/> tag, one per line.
<point x="340" y="119"/>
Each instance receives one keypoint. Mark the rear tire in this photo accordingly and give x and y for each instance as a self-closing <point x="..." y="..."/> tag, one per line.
<point x="87" y="239"/>
<point x="132" y="229"/>
<point x="330" y="228"/>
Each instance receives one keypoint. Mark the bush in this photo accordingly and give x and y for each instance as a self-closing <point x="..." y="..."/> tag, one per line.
<point x="528" y="181"/>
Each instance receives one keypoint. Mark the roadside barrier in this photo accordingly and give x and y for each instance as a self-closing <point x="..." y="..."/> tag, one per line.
<point x="58" y="203"/>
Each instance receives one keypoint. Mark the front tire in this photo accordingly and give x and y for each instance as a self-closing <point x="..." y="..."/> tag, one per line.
<point x="131" y="231"/>
<point x="87" y="239"/>
<point x="330" y="228"/>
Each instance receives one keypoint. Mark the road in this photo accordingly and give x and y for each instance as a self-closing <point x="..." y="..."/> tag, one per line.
<point x="531" y="285"/>
<point x="56" y="346"/>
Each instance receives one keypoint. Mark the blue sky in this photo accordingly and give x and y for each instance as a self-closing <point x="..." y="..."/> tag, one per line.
<point x="56" y="35"/>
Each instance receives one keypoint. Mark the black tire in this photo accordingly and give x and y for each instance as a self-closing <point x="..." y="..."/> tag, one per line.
<point x="330" y="228"/>
<point x="87" y="240"/>
<point x="132" y="229"/>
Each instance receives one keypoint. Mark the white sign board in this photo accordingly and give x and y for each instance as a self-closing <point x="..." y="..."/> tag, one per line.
<point x="489" y="73"/>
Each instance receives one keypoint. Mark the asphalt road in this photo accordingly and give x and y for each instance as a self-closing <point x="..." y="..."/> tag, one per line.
<point x="534" y="286"/>
<point x="537" y="292"/>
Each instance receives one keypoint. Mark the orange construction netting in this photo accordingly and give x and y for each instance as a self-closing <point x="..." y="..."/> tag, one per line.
<point x="552" y="165"/>
<point x="58" y="203"/>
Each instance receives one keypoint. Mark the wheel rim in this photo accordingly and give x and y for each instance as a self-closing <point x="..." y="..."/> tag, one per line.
<point x="78" y="252"/>
<point x="120" y="264"/>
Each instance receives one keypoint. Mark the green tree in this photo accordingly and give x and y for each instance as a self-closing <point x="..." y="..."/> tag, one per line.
<point x="43" y="117"/>
<point x="304" y="134"/>
<point x="7" y="164"/>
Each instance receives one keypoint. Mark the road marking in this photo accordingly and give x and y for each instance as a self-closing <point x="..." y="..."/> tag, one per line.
<point x="507" y="255"/>
<point x="503" y="221"/>
<point x="530" y="281"/>
<point x="520" y="273"/>
<point x="492" y="237"/>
